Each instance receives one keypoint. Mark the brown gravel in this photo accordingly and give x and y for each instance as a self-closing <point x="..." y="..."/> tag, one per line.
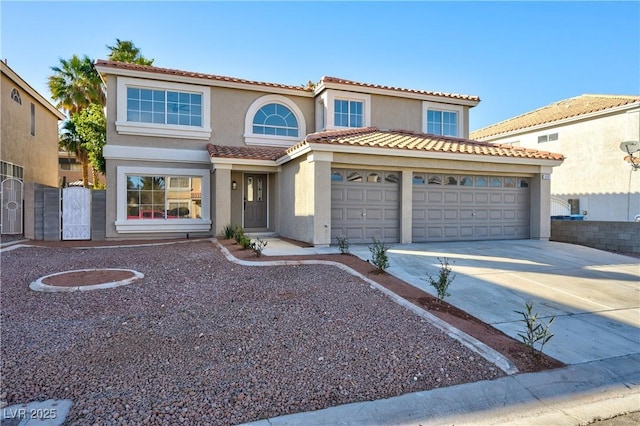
<point x="200" y="340"/>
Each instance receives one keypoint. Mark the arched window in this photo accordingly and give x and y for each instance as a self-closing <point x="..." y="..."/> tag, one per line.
<point x="15" y="95"/>
<point x="275" y="119"/>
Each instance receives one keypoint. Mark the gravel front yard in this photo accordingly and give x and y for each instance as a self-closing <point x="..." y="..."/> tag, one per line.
<point x="201" y="340"/>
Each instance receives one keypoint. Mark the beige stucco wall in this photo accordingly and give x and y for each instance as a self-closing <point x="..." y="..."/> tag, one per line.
<point x="396" y="113"/>
<point x="594" y="170"/>
<point x="38" y="154"/>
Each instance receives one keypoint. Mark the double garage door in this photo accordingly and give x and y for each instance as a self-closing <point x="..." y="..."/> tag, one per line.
<point x="365" y="204"/>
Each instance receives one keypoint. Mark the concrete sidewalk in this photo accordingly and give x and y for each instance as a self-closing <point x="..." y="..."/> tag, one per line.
<point x="573" y="395"/>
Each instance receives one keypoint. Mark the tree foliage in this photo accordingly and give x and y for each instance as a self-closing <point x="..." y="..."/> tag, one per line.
<point x="126" y="51"/>
<point x="91" y="127"/>
<point x="75" y="84"/>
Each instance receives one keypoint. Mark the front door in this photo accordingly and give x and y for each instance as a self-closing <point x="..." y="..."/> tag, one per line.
<point x="255" y="201"/>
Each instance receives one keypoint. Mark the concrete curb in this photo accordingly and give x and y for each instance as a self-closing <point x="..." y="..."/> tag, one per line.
<point x="470" y="342"/>
<point x="39" y="285"/>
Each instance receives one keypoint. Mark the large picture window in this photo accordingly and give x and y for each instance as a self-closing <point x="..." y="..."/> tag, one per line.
<point x="163" y="197"/>
<point x="164" y="107"/>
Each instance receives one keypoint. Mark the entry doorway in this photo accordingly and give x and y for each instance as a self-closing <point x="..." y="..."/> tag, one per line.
<point x="255" y="200"/>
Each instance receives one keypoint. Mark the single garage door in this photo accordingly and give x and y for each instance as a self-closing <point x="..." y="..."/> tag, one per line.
<point x="460" y="207"/>
<point x="365" y="205"/>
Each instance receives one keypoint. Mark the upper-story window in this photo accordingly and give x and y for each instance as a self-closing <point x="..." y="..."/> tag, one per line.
<point x="15" y="95"/>
<point x="274" y="120"/>
<point x="159" y="108"/>
<point x="441" y="119"/>
<point x="443" y="123"/>
<point x="336" y="109"/>
<point x="164" y="107"/>
<point x="348" y="113"/>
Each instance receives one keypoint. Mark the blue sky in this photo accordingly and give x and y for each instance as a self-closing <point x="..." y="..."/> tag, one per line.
<point x="516" y="56"/>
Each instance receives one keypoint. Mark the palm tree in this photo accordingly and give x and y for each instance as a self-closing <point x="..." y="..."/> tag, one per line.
<point x="126" y="51"/>
<point x="72" y="142"/>
<point x="75" y="84"/>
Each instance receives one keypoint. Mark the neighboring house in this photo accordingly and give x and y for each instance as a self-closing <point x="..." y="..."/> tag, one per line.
<point x="596" y="178"/>
<point x="189" y="153"/>
<point x="70" y="171"/>
<point x="28" y="141"/>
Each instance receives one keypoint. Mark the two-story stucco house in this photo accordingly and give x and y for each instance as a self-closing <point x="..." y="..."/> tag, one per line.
<point x="188" y="153"/>
<point x="596" y="177"/>
<point x="28" y="145"/>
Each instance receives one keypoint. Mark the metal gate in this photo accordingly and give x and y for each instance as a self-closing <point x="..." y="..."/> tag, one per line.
<point x="11" y="196"/>
<point x="76" y="213"/>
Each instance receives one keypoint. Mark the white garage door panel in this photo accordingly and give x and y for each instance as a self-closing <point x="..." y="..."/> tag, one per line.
<point x="452" y="212"/>
<point x="370" y="208"/>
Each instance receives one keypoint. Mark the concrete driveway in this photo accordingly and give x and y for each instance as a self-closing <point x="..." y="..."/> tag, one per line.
<point x="594" y="295"/>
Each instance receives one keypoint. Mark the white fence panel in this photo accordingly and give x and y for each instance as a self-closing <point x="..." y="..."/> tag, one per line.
<point x="76" y="213"/>
<point x="559" y="207"/>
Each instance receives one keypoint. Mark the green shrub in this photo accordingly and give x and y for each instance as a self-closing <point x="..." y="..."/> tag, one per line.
<point x="229" y="232"/>
<point x="343" y="244"/>
<point x="444" y="279"/>
<point x="238" y="234"/>
<point x="379" y="255"/>
<point x="536" y="331"/>
<point x="245" y="242"/>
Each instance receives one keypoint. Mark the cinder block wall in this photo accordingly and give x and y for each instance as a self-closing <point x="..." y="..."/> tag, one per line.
<point x="622" y="237"/>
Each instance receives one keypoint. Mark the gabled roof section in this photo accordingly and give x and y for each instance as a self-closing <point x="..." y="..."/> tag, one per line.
<point x="569" y="108"/>
<point x="245" y="153"/>
<point x="20" y="82"/>
<point x="325" y="80"/>
<point x="372" y="137"/>
<point x="119" y="66"/>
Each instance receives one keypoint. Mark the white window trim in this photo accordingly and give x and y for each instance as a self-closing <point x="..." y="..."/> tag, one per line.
<point x="162" y="130"/>
<point x="327" y="100"/>
<point x="251" y="138"/>
<point x="125" y="226"/>
<point x="435" y="106"/>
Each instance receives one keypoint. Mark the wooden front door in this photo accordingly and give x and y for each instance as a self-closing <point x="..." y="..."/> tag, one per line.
<point x="255" y="201"/>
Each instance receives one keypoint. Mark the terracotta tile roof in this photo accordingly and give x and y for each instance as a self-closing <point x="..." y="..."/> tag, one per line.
<point x="412" y="141"/>
<point x="398" y="89"/>
<point x="247" y="153"/>
<point x="174" y="72"/>
<point x="568" y="108"/>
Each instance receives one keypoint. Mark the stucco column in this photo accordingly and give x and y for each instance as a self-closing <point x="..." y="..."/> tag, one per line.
<point x="221" y="200"/>
<point x="406" y="206"/>
<point x="540" y="191"/>
<point x="321" y="164"/>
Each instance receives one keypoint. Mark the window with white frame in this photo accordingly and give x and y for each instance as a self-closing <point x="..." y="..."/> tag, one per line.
<point x="15" y="95"/>
<point x="151" y="199"/>
<point x="158" y="108"/>
<point x="340" y="109"/>
<point x="348" y="113"/>
<point x="164" y="107"/>
<point x="441" y="119"/>
<point x="274" y="120"/>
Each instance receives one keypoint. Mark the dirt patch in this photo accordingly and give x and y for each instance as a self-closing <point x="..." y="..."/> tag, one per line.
<point x="513" y="349"/>
<point x="86" y="278"/>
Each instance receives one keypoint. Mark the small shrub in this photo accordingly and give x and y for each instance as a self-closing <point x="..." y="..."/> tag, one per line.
<point x="238" y="234"/>
<point x="379" y="255"/>
<point x="343" y="244"/>
<point x="258" y="245"/>
<point x="444" y="279"/>
<point x="536" y="331"/>
<point x="229" y="232"/>
<point x="244" y="242"/>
